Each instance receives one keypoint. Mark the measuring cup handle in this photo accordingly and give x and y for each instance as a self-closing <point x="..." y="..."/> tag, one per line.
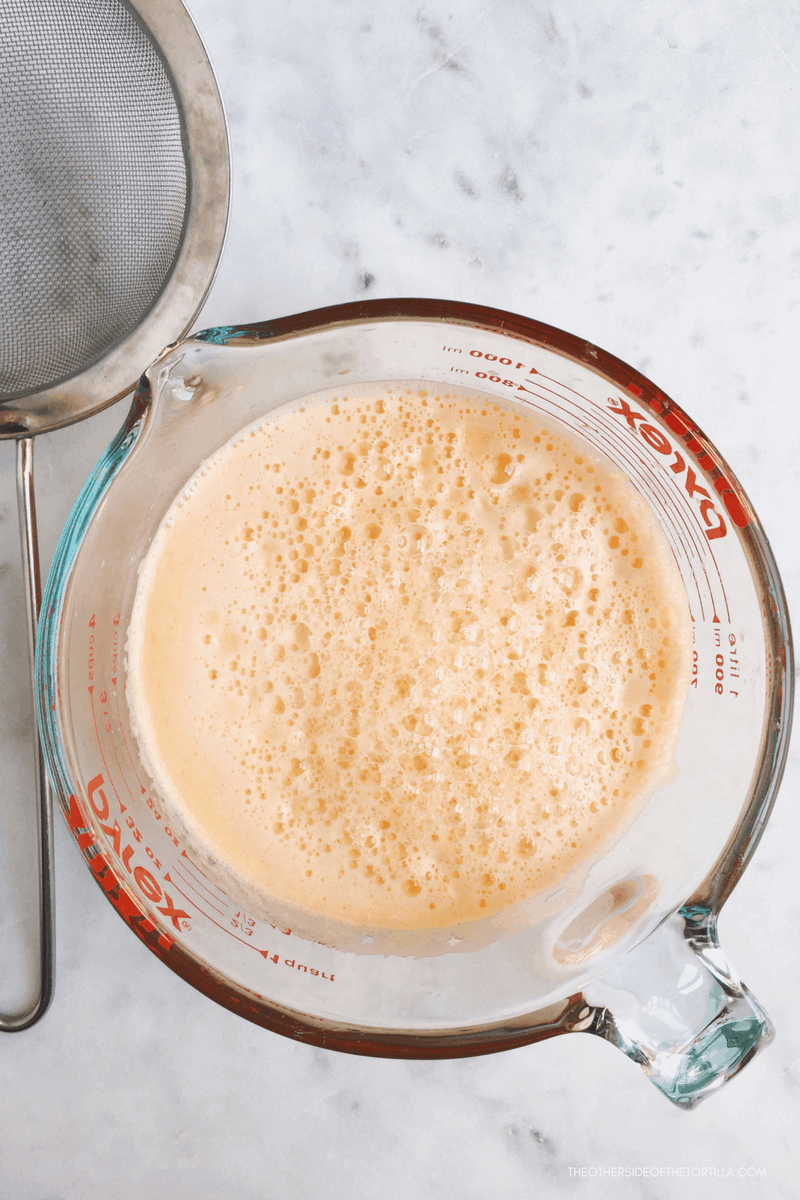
<point x="26" y="503"/>
<point x="675" y="1006"/>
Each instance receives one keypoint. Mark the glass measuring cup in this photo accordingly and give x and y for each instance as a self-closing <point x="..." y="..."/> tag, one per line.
<point x="626" y="946"/>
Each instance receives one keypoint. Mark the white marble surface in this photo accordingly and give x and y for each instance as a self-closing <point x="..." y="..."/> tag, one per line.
<point x="626" y="172"/>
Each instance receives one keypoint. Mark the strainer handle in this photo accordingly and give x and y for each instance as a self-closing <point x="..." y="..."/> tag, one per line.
<point x="26" y="503"/>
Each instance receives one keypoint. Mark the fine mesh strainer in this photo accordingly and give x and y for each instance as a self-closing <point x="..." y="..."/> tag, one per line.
<point x="114" y="206"/>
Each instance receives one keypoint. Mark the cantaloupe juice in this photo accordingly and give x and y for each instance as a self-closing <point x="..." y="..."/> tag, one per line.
<point x="404" y="658"/>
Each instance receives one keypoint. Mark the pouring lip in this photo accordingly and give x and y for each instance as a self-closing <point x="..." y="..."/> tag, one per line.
<point x="706" y="901"/>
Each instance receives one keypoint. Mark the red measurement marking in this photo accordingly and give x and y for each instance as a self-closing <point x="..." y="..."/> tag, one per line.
<point x="189" y="884"/>
<point x="624" y="447"/>
<point x="686" y="539"/>
<point x="122" y="774"/>
<point x="222" y="894"/>
<point x="530" y="371"/>
<point x="193" y="864"/>
<point x="684" y="427"/>
<point x="605" y="440"/>
<point x="263" y="953"/>
<point x="542" y="387"/>
<point x="633" y="456"/>
<point x="125" y="740"/>
<point x="195" y="867"/>
<point x="100" y="747"/>
<point x="693" y="517"/>
<point x="703" y="453"/>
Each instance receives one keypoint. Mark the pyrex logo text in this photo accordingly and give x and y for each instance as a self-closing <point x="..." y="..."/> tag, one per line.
<point x="126" y="904"/>
<point x="656" y="440"/>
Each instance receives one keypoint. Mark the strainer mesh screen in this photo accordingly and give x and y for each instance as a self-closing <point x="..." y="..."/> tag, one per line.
<point x="94" y="186"/>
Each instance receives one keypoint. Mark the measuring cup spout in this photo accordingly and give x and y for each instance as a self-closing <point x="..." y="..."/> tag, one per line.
<point x="675" y="1006"/>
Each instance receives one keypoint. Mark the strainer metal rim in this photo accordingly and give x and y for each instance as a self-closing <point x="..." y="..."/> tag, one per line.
<point x="178" y="42"/>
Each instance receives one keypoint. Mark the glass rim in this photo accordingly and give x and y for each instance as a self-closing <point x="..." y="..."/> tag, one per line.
<point x="702" y="908"/>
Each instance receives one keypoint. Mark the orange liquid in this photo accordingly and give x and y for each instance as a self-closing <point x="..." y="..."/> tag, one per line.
<point x="404" y="660"/>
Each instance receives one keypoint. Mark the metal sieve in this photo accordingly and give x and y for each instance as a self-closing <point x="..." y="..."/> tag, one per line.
<point x="114" y="207"/>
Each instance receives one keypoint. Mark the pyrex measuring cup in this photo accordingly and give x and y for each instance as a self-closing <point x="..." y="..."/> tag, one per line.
<point x="626" y="946"/>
